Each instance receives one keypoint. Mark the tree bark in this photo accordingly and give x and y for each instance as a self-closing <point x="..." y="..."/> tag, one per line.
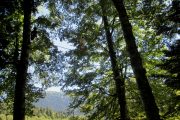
<point x="151" y="109"/>
<point x="21" y="77"/>
<point x="119" y="81"/>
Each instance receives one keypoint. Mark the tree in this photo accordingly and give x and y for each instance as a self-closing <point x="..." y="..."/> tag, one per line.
<point x="119" y="82"/>
<point x="166" y="25"/>
<point x="150" y="106"/>
<point x="171" y="65"/>
<point x="92" y="59"/>
<point x="9" y="32"/>
<point x="21" y="77"/>
<point x="98" y="56"/>
<point x="42" y="50"/>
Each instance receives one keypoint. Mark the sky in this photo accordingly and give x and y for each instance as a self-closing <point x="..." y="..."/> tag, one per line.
<point x="62" y="45"/>
<point x="56" y="89"/>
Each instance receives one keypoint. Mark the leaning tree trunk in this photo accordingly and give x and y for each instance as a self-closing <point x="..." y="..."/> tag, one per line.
<point x="21" y="77"/>
<point x="119" y="81"/>
<point x="151" y="109"/>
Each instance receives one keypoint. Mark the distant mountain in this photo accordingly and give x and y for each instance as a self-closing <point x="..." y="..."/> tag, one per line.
<point x="57" y="101"/>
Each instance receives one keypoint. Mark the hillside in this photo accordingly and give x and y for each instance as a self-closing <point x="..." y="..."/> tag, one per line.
<point x="57" y="101"/>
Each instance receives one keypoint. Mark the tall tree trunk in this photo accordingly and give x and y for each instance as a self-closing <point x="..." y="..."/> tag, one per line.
<point x="21" y="77"/>
<point x="119" y="81"/>
<point x="151" y="109"/>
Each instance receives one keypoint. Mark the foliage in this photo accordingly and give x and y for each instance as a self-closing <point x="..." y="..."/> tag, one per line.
<point x="88" y="72"/>
<point x="42" y="51"/>
<point x="171" y="65"/>
<point x="45" y="114"/>
<point x="85" y="67"/>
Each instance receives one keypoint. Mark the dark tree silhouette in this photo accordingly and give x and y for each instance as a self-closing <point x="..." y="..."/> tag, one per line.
<point x="151" y="109"/>
<point x="21" y="77"/>
<point x="171" y="63"/>
<point x="119" y="81"/>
